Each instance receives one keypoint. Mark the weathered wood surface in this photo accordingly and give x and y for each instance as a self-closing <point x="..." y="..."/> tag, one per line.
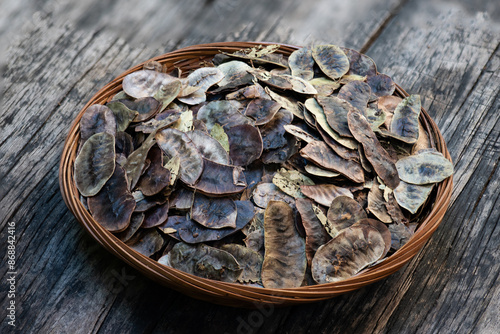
<point x="66" y="283"/>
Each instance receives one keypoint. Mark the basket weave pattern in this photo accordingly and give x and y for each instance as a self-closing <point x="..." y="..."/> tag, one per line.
<point x="232" y="294"/>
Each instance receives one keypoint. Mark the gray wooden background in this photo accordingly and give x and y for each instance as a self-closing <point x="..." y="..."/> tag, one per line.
<point x="55" y="54"/>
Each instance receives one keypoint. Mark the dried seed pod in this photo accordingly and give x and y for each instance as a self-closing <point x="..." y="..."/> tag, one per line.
<point x="291" y="181"/>
<point x="235" y="74"/>
<point x="285" y="261"/>
<point x="218" y="179"/>
<point x="376" y="203"/>
<point x="404" y="124"/>
<point x="124" y="146"/>
<point x="214" y="213"/>
<point x="266" y="192"/>
<point x="255" y="91"/>
<point x="250" y="262"/>
<point x="341" y="150"/>
<point x="113" y="205"/>
<point x="146" y="107"/>
<point x="203" y="261"/>
<point x="382" y="228"/>
<point x="167" y="93"/>
<point x="135" y="222"/>
<point x="158" y="122"/>
<point x="156" y="177"/>
<point x="123" y="115"/>
<point x="301" y="133"/>
<point x="209" y="147"/>
<point x="282" y="154"/>
<point x="192" y="232"/>
<point x="301" y="63"/>
<point x="147" y="242"/>
<point x="245" y="144"/>
<point x="317" y="171"/>
<point x="322" y="155"/>
<point x="135" y="163"/>
<point x="336" y="110"/>
<point x="205" y="77"/>
<point x="381" y="85"/>
<point x="374" y="152"/>
<point x="331" y="60"/>
<point x="400" y="235"/>
<point x="155" y="216"/>
<point x="424" y="167"/>
<point x="95" y="163"/>
<point x="225" y="113"/>
<point x="412" y="196"/>
<point x="359" y="63"/>
<point x="273" y="132"/>
<point x="145" y="83"/>
<point x="357" y="93"/>
<point x="324" y="194"/>
<point x="181" y="199"/>
<point x="313" y="106"/>
<point x="316" y="234"/>
<point x="144" y="203"/>
<point x="176" y="143"/>
<point x="325" y="86"/>
<point x="347" y="254"/>
<point x="262" y="110"/>
<point x="217" y="132"/>
<point x="97" y="118"/>
<point x="343" y="213"/>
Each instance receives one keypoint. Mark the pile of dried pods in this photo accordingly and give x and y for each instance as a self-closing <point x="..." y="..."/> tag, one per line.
<point x="259" y="169"/>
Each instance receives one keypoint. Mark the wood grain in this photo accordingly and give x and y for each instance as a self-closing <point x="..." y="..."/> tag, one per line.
<point x="446" y="51"/>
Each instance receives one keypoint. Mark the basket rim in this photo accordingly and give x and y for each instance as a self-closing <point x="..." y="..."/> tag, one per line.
<point x="233" y="294"/>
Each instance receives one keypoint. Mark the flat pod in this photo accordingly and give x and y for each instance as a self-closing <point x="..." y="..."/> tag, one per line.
<point x="147" y="242"/>
<point x="146" y="107"/>
<point x="424" y="167"/>
<point x="324" y="194"/>
<point x="412" y="196"/>
<point x="376" y="203"/>
<point x="321" y="122"/>
<point x="382" y="228"/>
<point x="225" y="113"/>
<point x="192" y="232"/>
<point x="336" y="110"/>
<point x="343" y="213"/>
<point x="357" y="93"/>
<point x="291" y="181"/>
<point x="214" y="213"/>
<point x="287" y="102"/>
<point x="341" y="150"/>
<point x="282" y="154"/>
<point x="249" y="260"/>
<point x="144" y="203"/>
<point x="359" y="63"/>
<point x="205" y="77"/>
<point x="181" y="199"/>
<point x="322" y="155"/>
<point x="95" y="163"/>
<point x="218" y="179"/>
<point x="156" y="177"/>
<point x="145" y="83"/>
<point x="166" y="94"/>
<point x="400" y="235"/>
<point x="404" y="124"/>
<point x="347" y="254"/>
<point x="158" y="122"/>
<point x="300" y="133"/>
<point x="123" y="115"/>
<point x="112" y="207"/>
<point x="267" y="192"/>
<point x="156" y="216"/>
<point x="301" y="63"/>
<point x="260" y="55"/>
<point x="235" y="74"/>
<point x="135" y="223"/>
<point x="331" y="60"/>
<point x="209" y="147"/>
<point x="203" y="261"/>
<point x="135" y="163"/>
<point x="97" y="118"/>
<point x="245" y="144"/>
<point x="376" y="117"/>
<point x="217" y="132"/>
<point x="325" y="86"/>
<point x="381" y="85"/>
<point x="374" y="152"/>
<point x="285" y="260"/>
<point x="318" y="171"/>
<point x="255" y="91"/>
<point x="176" y="143"/>
<point x="273" y="132"/>
<point x="262" y="110"/>
<point x="316" y="234"/>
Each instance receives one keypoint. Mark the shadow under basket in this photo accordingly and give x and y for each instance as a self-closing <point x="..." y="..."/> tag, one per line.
<point x="232" y="294"/>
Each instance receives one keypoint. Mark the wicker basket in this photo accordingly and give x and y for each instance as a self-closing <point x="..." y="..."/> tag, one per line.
<point x="229" y="293"/>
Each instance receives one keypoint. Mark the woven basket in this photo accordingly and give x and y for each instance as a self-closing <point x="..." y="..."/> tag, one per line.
<point x="229" y="293"/>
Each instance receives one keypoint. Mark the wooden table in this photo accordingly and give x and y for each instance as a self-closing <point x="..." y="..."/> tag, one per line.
<point x="63" y="51"/>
